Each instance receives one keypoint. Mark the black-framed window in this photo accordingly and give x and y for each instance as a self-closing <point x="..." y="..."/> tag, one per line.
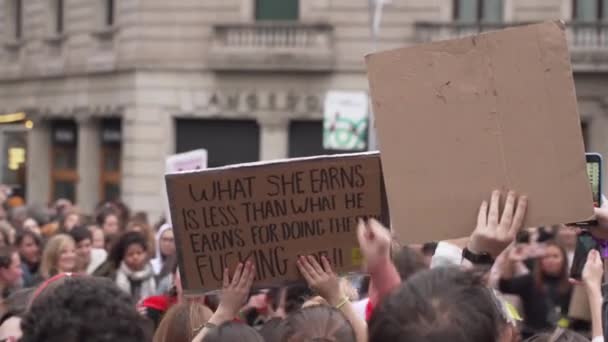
<point x="226" y="141"/>
<point x="306" y="139"/>
<point x="64" y="162"/>
<point x="17" y="13"/>
<point x="109" y="14"/>
<point x="589" y="10"/>
<point x="59" y="16"/>
<point x="277" y="9"/>
<point x="111" y="157"/>
<point x="474" y="11"/>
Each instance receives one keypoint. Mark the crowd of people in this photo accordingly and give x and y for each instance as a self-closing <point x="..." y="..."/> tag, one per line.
<point x="113" y="276"/>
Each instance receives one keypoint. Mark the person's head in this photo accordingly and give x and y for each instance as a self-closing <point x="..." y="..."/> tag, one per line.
<point x="441" y="304"/>
<point x="84" y="308"/>
<point x="181" y="322"/>
<point x="29" y="247"/>
<point x="70" y="219"/>
<point x="566" y="237"/>
<point x="233" y="331"/>
<point x="408" y="261"/>
<point x="10" y="267"/>
<point x="131" y="249"/>
<point x="97" y="237"/>
<point x="317" y="323"/>
<point x="145" y="230"/>
<point x="18" y="216"/>
<point x="83" y="239"/>
<point x="165" y="242"/>
<point x="31" y="224"/>
<point x="554" y="264"/>
<point x="559" y="335"/>
<point x="59" y="256"/>
<point x="7" y="234"/>
<point x="428" y="250"/>
<point x="109" y="222"/>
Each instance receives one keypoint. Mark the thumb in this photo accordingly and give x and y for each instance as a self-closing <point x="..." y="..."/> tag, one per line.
<point x="361" y="232"/>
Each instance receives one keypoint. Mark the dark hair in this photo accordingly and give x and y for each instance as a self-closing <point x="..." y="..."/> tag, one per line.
<point x="442" y="304"/>
<point x="120" y="248"/>
<point x="80" y="233"/>
<point x="559" y="335"/>
<point x="429" y="248"/>
<point x="22" y="234"/>
<point x="16" y="303"/>
<point x="539" y="276"/>
<point x="106" y="212"/>
<point x="271" y="331"/>
<point x="233" y="331"/>
<point x="317" y="323"/>
<point x="6" y="255"/>
<point x="84" y="309"/>
<point x="408" y="261"/>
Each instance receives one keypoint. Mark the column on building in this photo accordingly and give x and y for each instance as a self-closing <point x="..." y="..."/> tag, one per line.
<point x="148" y="137"/>
<point x="597" y="124"/>
<point x="274" y="136"/>
<point x="88" y="154"/>
<point x="39" y="164"/>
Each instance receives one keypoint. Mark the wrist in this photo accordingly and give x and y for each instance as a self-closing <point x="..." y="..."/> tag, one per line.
<point x="223" y="314"/>
<point x="335" y="299"/>
<point x="380" y="266"/>
<point x="592" y="288"/>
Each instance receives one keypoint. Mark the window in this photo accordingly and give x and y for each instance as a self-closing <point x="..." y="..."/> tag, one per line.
<point x="111" y="143"/>
<point x="277" y="9"/>
<point x="59" y="15"/>
<point x="109" y="13"/>
<point x="590" y="10"/>
<point x="226" y="141"/>
<point x="14" y="12"/>
<point x="306" y="139"/>
<point x="473" y="11"/>
<point x="64" y="163"/>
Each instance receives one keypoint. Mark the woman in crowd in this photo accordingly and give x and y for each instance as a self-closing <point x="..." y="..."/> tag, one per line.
<point x="545" y="290"/>
<point x="165" y="247"/>
<point x="89" y="258"/>
<point x="71" y="218"/>
<point x="32" y="225"/>
<point x="59" y="256"/>
<point x="182" y="322"/>
<point x="134" y="273"/>
<point x="97" y="237"/>
<point x="10" y="274"/>
<point x="108" y="221"/>
<point x="145" y="230"/>
<point x="29" y="246"/>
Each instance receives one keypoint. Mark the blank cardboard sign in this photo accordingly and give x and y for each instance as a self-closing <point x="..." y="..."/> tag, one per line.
<point x="457" y="119"/>
<point x="269" y="213"/>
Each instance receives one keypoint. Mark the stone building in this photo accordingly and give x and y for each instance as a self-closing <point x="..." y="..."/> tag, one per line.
<point x="94" y="94"/>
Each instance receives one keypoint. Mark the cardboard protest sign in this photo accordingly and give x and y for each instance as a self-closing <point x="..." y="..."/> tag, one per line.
<point x="187" y="161"/>
<point x="270" y="213"/>
<point x="460" y="118"/>
<point x="345" y="120"/>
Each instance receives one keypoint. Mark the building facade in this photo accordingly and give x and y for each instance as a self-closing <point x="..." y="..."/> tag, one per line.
<point x="94" y="94"/>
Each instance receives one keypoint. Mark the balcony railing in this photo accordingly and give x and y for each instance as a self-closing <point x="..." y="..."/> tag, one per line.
<point x="588" y="41"/>
<point x="272" y="45"/>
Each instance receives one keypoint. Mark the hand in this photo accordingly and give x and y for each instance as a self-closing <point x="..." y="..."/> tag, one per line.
<point x="518" y="253"/>
<point x="593" y="270"/>
<point x="493" y="234"/>
<point x="375" y="242"/>
<point x="235" y="292"/>
<point x="321" y="279"/>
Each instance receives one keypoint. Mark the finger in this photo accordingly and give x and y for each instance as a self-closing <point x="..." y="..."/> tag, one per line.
<point x="315" y="264"/>
<point x="309" y="268"/>
<point x="326" y="265"/>
<point x="507" y="213"/>
<point x="226" y="278"/>
<point x="520" y="214"/>
<point x="494" y="204"/>
<point x="304" y="271"/>
<point x="244" y="276"/>
<point x="361" y="232"/>
<point x="482" y="217"/>
<point x="376" y="227"/>
<point x="250" y="278"/>
<point x="237" y="274"/>
<point x="573" y="281"/>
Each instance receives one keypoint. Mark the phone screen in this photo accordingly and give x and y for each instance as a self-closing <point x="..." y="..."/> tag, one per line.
<point x="584" y="243"/>
<point x="594" y="174"/>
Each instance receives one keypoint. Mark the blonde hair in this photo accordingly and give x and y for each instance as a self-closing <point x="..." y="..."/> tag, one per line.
<point x="182" y="322"/>
<point x="52" y="252"/>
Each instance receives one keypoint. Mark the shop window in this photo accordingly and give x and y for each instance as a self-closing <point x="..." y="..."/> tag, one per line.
<point x="306" y="139"/>
<point x="276" y="9"/>
<point x="111" y="156"/>
<point x="226" y="141"/>
<point x="64" y="163"/>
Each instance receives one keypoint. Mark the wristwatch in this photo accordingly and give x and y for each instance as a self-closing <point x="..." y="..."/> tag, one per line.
<point x="477" y="259"/>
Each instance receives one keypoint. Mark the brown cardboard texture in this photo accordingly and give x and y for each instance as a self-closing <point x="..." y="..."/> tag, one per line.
<point x="457" y="119"/>
<point x="269" y="213"/>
